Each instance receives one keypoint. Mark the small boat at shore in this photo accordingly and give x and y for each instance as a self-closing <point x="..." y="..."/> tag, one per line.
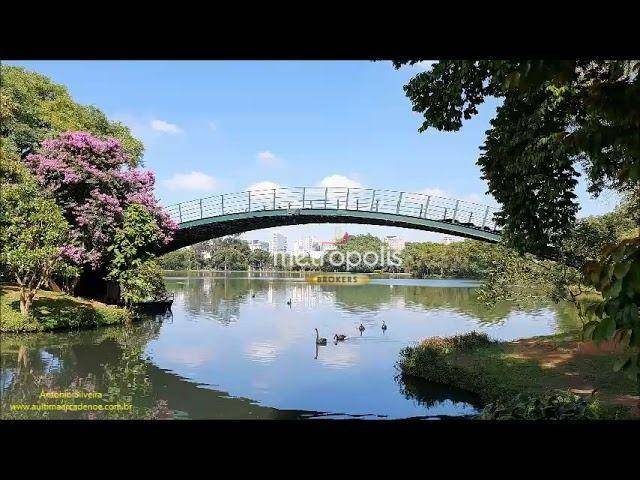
<point x="154" y="307"/>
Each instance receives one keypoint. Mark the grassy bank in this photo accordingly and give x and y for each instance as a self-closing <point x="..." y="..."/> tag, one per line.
<point x="555" y="376"/>
<point x="55" y="311"/>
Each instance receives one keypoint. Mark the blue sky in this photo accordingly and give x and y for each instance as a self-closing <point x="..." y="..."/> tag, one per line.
<point x="223" y="126"/>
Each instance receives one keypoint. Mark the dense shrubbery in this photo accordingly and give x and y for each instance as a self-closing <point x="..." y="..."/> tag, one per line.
<point x="559" y="405"/>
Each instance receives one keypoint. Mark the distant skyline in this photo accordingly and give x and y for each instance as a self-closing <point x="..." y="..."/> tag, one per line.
<point x="212" y="127"/>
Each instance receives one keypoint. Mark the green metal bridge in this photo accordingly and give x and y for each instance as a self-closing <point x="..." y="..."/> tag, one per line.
<point x="220" y="215"/>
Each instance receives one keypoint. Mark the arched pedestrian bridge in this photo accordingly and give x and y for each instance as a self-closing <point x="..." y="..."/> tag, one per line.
<point x="216" y="216"/>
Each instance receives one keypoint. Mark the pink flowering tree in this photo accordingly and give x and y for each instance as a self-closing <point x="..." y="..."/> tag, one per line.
<point x="93" y="182"/>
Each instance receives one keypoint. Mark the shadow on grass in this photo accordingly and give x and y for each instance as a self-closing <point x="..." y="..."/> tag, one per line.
<point x="57" y="312"/>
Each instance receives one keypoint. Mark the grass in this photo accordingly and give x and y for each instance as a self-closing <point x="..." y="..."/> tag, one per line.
<point x="55" y="311"/>
<point x="546" y="369"/>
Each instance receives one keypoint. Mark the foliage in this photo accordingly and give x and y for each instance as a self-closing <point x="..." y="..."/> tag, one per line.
<point x="523" y="279"/>
<point x="498" y="371"/>
<point x="555" y="116"/>
<point x="468" y="259"/>
<point x="226" y="253"/>
<point x="458" y="343"/>
<point x="559" y="405"/>
<point x="358" y="247"/>
<point x="142" y="283"/>
<point x="90" y="178"/>
<point x="33" y="232"/>
<point x="260" y="259"/>
<point x="182" y="259"/>
<point x="229" y="253"/>
<point x="33" y="108"/>
<point x="134" y="244"/>
<point x="55" y="311"/>
<point x="592" y="234"/>
<point x="617" y="276"/>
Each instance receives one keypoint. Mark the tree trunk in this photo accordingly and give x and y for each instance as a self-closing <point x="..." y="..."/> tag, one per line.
<point x="26" y="299"/>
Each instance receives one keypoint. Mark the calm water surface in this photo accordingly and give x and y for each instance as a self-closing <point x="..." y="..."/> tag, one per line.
<point x="234" y="349"/>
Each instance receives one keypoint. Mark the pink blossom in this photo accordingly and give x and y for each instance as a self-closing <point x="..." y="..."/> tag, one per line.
<point x="92" y="180"/>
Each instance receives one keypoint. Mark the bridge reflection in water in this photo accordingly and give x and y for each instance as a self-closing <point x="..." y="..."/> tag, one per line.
<point x="226" y="214"/>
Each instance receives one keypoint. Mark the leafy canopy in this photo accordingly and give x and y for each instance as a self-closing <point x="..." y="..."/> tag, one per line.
<point x="555" y="116"/>
<point x="133" y="248"/>
<point x="33" y="231"/>
<point x="92" y="181"/>
<point x="34" y="108"/>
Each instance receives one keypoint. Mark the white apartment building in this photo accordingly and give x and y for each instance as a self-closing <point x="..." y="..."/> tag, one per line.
<point x="394" y="242"/>
<point x="258" y="245"/>
<point x="278" y="244"/>
<point x="447" y="239"/>
<point x="307" y="246"/>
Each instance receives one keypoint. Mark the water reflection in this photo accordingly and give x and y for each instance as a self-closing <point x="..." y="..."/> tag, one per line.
<point x="233" y="348"/>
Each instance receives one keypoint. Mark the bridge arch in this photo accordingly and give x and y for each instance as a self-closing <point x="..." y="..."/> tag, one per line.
<point x="203" y="219"/>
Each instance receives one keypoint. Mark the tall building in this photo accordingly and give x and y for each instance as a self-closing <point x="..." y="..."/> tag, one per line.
<point x="447" y="239"/>
<point x="394" y="242"/>
<point x="307" y="246"/>
<point x="258" y="245"/>
<point x="278" y="244"/>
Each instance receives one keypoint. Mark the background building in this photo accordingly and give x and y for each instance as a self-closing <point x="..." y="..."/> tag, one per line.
<point x="307" y="246"/>
<point x="278" y="244"/>
<point x="258" y="245"/>
<point x="394" y="242"/>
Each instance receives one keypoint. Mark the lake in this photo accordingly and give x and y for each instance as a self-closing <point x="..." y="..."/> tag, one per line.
<point x="233" y="348"/>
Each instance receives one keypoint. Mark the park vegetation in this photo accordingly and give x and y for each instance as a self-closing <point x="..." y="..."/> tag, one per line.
<point x="543" y="378"/>
<point x="52" y="311"/>
<point x="557" y="120"/>
<point x="75" y="203"/>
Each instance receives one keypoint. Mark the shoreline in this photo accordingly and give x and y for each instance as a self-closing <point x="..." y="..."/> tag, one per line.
<point x="56" y="312"/>
<point x="507" y="375"/>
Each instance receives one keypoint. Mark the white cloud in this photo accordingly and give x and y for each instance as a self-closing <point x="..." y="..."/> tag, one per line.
<point x="435" y="192"/>
<point x="339" y="181"/>
<point x="165" y="127"/>
<point x="265" y="185"/>
<point x="268" y="159"/>
<point x="191" y="181"/>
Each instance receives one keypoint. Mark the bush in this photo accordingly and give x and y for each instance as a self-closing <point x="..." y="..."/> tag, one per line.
<point x="457" y="343"/>
<point x="433" y="360"/>
<point x="556" y="405"/>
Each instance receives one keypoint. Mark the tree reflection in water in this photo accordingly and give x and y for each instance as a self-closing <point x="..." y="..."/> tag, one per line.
<point x="430" y="395"/>
<point x="229" y="316"/>
<point x="111" y="361"/>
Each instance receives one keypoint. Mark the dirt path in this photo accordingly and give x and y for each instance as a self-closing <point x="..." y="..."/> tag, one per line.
<point x="582" y="367"/>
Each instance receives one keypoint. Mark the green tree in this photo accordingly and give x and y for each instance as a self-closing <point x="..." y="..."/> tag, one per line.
<point x="183" y="259"/>
<point x="34" y="108"/>
<point x="33" y="231"/>
<point x="260" y="259"/>
<point x="556" y="117"/>
<point x="229" y="253"/>
<point x="360" y="253"/>
<point x="135" y="244"/>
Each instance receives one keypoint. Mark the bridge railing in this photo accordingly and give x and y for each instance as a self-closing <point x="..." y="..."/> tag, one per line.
<point x="420" y="205"/>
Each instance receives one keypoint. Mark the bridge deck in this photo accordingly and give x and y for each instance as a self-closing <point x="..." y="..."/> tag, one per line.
<point x="220" y="215"/>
